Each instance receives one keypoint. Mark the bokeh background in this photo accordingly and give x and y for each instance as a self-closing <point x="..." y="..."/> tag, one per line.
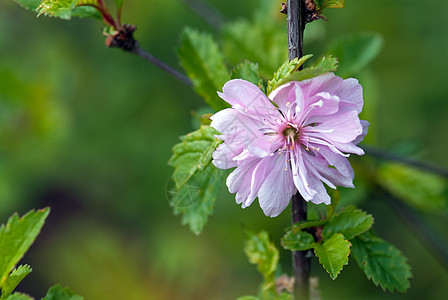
<point x="88" y="131"/>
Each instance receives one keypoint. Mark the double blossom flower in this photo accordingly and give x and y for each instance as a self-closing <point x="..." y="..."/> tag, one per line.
<point x="295" y="139"/>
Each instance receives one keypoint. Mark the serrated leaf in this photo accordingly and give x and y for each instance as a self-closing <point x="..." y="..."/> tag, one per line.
<point x="193" y="154"/>
<point x="196" y="183"/>
<point x="350" y="222"/>
<point x="65" y="9"/>
<point x="262" y="252"/>
<point x="325" y="65"/>
<point x="196" y="199"/>
<point x="422" y="190"/>
<point x="57" y="292"/>
<point x="382" y="262"/>
<point x="321" y="4"/>
<point x="355" y="52"/>
<point x="299" y="241"/>
<point x="16" y="276"/>
<point x="285" y="72"/>
<point x="29" y="4"/>
<point x="19" y="296"/>
<point x="247" y="71"/>
<point x="16" y="238"/>
<point x="202" y="61"/>
<point x="333" y="254"/>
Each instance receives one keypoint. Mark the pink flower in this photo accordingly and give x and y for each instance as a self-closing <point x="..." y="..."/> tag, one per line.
<point x="295" y="140"/>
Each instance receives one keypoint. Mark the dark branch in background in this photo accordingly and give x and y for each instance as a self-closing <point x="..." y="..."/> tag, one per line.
<point x="301" y="260"/>
<point x="428" y="235"/>
<point x="203" y="9"/>
<point x="124" y="39"/>
<point x="379" y="153"/>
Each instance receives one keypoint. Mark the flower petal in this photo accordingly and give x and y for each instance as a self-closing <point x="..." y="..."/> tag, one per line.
<point x="350" y="93"/>
<point x="342" y="128"/>
<point x="331" y="176"/>
<point x="277" y="189"/>
<point x="239" y="181"/>
<point x="365" y="129"/>
<point x="300" y="175"/>
<point x="339" y="162"/>
<point x="285" y="96"/>
<point x="328" y="82"/>
<point x="246" y="94"/>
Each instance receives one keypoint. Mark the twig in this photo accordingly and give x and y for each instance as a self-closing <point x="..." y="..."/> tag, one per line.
<point x="382" y="154"/>
<point x="301" y="261"/>
<point x="124" y="39"/>
<point x="161" y="65"/>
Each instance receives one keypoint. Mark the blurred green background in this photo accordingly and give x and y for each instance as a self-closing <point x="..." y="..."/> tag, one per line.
<point x="88" y="131"/>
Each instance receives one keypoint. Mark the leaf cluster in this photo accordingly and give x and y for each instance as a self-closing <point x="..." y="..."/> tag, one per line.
<point x="346" y="232"/>
<point x="16" y="237"/>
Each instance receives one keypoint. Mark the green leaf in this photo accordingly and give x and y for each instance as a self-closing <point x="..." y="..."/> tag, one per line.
<point x="196" y="199"/>
<point x="19" y="296"/>
<point x="321" y="4"/>
<point x="299" y="241"/>
<point x="285" y="72"/>
<point x="118" y="4"/>
<point x="335" y="198"/>
<point x="382" y="262"/>
<point x="29" y="4"/>
<point x="57" y="292"/>
<point x="195" y="183"/>
<point x="284" y="296"/>
<point x="248" y="298"/>
<point x="355" y="52"/>
<point x="247" y="71"/>
<point x="262" y="252"/>
<point x="333" y="254"/>
<point x="16" y="276"/>
<point x="325" y="65"/>
<point x="200" y="57"/>
<point x="16" y="238"/>
<point x="258" y="40"/>
<point x="307" y="224"/>
<point x="350" y="222"/>
<point x="86" y="12"/>
<point x="193" y="154"/>
<point x="422" y="190"/>
<point x="65" y="9"/>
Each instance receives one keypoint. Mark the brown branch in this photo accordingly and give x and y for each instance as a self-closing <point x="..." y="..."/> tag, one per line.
<point x="301" y="259"/>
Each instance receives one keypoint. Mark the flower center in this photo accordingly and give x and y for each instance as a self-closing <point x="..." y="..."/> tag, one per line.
<point x="291" y="134"/>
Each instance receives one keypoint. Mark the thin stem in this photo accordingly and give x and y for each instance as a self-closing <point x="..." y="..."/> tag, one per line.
<point x="382" y="154"/>
<point x="296" y="27"/>
<point x="107" y="18"/>
<point x="301" y="259"/>
<point x="161" y="65"/>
